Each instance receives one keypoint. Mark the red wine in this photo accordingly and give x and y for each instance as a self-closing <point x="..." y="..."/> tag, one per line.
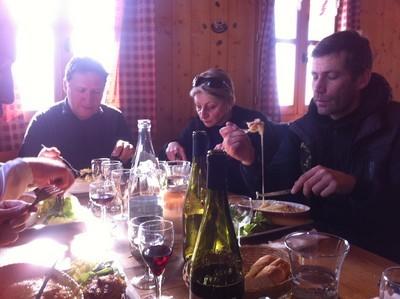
<point x="157" y="257"/>
<point x="217" y="281"/>
<point x="102" y="199"/>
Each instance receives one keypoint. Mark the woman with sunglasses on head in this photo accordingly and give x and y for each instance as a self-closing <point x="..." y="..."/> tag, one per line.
<point x="214" y="99"/>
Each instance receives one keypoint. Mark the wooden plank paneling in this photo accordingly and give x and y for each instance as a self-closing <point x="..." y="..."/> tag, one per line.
<point x="187" y="46"/>
<point x="380" y="23"/>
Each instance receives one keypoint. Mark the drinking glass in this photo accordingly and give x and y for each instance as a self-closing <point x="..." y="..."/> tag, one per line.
<point x="146" y="280"/>
<point x="96" y="168"/>
<point x="156" y="240"/>
<point x="120" y="178"/>
<point x="101" y="194"/>
<point x="108" y="166"/>
<point x="241" y="212"/>
<point x="390" y="283"/>
<point x="316" y="261"/>
<point x="177" y="174"/>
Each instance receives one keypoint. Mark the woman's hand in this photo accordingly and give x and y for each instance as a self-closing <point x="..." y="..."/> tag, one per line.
<point x="237" y="144"/>
<point x="46" y="171"/>
<point x="175" y="151"/>
<point x="13" y="215"/>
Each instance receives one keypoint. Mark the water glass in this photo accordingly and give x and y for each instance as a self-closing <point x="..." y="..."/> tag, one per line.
<point x="390" y="283"/>
<point x="316" y="261"/>
<point x="177" y="174"/>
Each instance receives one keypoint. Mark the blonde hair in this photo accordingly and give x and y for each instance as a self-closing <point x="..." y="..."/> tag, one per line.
<point x="224" y="93"/>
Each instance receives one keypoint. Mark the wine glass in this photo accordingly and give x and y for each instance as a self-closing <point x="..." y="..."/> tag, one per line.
<point x="156" y="240"/>
<point x="96" y="168"/>
<point x="120" y="178"/>
<point x="102" y="193"/>
<point x="108" y="166"/>
<point x="146" y="280"/>
<point x="241" y="211"/>
<point x="390" y="283"/>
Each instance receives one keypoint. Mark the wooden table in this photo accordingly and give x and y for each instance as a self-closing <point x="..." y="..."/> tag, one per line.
<point x="360" y="275"/>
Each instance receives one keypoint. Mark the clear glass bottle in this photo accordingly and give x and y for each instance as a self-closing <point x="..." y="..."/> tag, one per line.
<point x="216" y="264"/>
<point x="144" y="188"/>
<point x="193" y="208"/>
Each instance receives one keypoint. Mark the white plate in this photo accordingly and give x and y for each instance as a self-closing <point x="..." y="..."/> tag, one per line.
<point x="79" y="186"/>
<point x="15" y="273"/>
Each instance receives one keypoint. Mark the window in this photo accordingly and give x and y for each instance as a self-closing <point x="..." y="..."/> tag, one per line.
<point x="47" y="38"/>
<point x="299" y="25"/>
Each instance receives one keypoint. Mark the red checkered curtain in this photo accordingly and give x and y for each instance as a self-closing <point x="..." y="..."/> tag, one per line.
<point x="348" y="16"/>
<point x="267" y="95"/>
<point x="134" y="88"/>
<point x="12" y="122"/>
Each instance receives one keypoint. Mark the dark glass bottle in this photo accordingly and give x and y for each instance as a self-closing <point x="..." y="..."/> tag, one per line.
<point x="216" y="270"/>
<point x="193" y="208"/>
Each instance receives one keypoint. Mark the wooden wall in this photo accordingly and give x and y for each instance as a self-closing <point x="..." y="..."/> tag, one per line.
<point x="380" y="23"/>
<point x="186" y="46"/>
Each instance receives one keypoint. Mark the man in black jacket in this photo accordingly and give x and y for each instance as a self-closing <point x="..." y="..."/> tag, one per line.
<point x="343" y="157"/>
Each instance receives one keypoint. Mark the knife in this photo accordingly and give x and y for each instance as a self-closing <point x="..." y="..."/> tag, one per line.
<point x="273" y="194"/>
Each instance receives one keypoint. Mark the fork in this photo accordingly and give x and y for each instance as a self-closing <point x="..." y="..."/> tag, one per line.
<point x="44" y="193"/>
<point x="75" y="171"/>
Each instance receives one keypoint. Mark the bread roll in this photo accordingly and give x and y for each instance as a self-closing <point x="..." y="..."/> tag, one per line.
<point x="268" y="271"/>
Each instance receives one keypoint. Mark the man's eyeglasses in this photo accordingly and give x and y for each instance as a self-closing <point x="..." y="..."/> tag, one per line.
<point x="209" y="82"/>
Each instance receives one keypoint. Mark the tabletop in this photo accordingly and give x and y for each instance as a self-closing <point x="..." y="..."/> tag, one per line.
<point x="359" y="279"/>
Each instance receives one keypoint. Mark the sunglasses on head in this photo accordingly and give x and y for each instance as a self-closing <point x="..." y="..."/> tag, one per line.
<point x="209" y="82"/>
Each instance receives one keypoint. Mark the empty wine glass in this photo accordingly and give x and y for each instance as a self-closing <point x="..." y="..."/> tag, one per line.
<point x="241" y="211"/>
<point x="108" y="166"/>
<point x="390" y="283"/>
<point x="120" y="178"/>
<point x="146" y="280"/>
<point x="156" y="240"/>
<point x="96" y="168"/>
<point x="102" y="193"/>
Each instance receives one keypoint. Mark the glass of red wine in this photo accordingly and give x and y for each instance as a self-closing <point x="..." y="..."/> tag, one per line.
<point x="146" y="280"/>
<point x="156" y="241"/>
<point x="101" y="194"/>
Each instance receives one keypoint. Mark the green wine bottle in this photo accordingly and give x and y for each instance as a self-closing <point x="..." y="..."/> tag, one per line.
<point x="216" y="264"/>
<point x="193" y="208"/>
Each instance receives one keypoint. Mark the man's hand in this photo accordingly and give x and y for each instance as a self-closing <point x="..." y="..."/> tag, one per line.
<point x="323" y="181"/>
<point x="47" y="171"/>
<point x="50" y="152"/>
<point x="175" y="151"/>
<point x="13" y="215"/>
<point x="237" y="144"/>
<point x="123" y="150"/>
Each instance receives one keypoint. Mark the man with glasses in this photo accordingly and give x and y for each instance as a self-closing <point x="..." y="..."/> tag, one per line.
<point x="80" y="127"/>
<point x="343" y="157"/>
<point x="214" y="100"/>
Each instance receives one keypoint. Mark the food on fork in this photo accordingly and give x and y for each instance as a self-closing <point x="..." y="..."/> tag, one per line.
<point x="86" y="174"/>
<point x="256" y="126"/>
<point x="268" y="271"/>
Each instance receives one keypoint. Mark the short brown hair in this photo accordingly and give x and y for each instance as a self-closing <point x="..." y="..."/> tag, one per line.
<point x="225" y="93"/>
<point x="84" y="65"/>
<point x="357" y="49"/>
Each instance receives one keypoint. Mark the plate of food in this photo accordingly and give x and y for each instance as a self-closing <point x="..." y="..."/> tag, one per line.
<point x="283" y="212"/>
<point x="99" y="280"/>
<point x="51" y="212"/>
<point x="81" y="184"/>
<point x="23" y="281"/>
